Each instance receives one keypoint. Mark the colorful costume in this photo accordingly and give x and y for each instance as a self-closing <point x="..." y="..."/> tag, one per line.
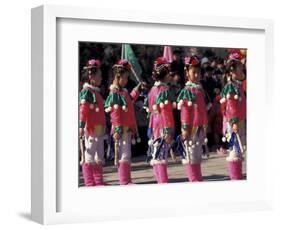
<point x="233" y="103"/>
<point x="122" y="114"/>
<point x="92" y="120"/>
<point x="191" y="102"/>
<point x="159" y="107"/>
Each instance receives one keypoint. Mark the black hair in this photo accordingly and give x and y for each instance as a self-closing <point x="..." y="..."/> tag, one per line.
<point x="231" y="65"/>
<point x="160" y="72"/>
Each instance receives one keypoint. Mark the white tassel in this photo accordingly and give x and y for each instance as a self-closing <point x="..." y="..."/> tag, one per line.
<point x="116" y="106"/>
<point x="133" y="141"/>
<point x="181" y="102"/>
<point x="109" y="109"/>
<point x="166" y="102"/>
<point x="150" y="142"/>
<point x="228" y="96"/>
<point x="147" y="110"/>
<point x="189" y="103"/>
<point x="223" y="100"/>
<point x="161" y="105"/>
<point x="124" y="108"/>
<point x="179" y="107"/>
<point x="236" y="97"/>
<point x="124" y="142"/>
<point x="83" y="101"/>
<point x="197" y="142"/>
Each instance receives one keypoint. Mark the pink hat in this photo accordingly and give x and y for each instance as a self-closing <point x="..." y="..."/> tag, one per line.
<point x="123" y="64"/>
<point x="191" y="61"/>
<point x="235" y="54"/>
<point x="93" y="63"/>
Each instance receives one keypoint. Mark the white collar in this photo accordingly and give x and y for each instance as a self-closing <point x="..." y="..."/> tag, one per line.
<point x="159" y="83"/>
<point x="87" y="85"/>
<point x="116" y="87"/>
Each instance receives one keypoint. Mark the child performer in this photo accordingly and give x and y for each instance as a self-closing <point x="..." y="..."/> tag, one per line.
<point x="92" y="126"/>
<point x="234" y="109"/>
<point x="159" y="106"/>
<point x="191" y="103"/>
<point x="120" y="105"/>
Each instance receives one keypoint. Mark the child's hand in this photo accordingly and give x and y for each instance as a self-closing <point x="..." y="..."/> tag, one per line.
<point x="81" y="132"/>
<point x="168" y="138"/>
<point x="143" y="85"/>
<point x="184" y="133"/>
<point x="116" y="136"/>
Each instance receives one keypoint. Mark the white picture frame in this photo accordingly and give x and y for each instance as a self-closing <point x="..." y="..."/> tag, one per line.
<point x="46" y="166"/>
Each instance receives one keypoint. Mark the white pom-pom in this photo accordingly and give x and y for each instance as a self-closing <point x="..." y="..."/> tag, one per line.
<point x="206" y="140"/>
<point x="193" y="146"/>
<point x="179" y="107"/>
<point x="223" y="139"/>
<point x="96" y="139"/>
<point x="92" y="106"/>
<point x="161" y="105"/>
<point x="124" y="142"/>
<point x="97" y="109"/>
<point x="124" y="108"/>
<point x="190" y="142"/>
<point x="166" y="102"/>
<point x="222" y="100"/>
<point x="174" y="105"/>
<point x="150" y="142"/>
<point x="116" y="106"/>
<point x="154" y="107"/>
<point x="189" y="103"/>
<point x="197" y="142"/>
<point x="236" y="97"/>
<point x="181" y="102"/>
<point x="228" y="96"/>
<point x="147" y="110"/>
<point x="138" y="140"/>
<point x="133" y="141"/>
<point x="108" y="109"/>
<point x="83" y="101"/>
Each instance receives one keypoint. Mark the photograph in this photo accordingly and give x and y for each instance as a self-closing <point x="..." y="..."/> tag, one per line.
<point x="154" y="114"/>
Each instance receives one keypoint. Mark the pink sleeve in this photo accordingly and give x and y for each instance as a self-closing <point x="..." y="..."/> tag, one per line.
<point x="186" y="116"/>
<point x="167" y="116"/>
<point x="115" y="116"/>
<point x="134" y="94"/>
<point x="84" y="112"/>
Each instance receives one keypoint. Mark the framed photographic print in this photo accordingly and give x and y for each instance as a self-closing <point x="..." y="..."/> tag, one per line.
<point x="143" y="114"/>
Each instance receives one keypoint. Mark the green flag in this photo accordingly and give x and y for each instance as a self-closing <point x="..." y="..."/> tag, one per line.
<point x="128" y="54"/>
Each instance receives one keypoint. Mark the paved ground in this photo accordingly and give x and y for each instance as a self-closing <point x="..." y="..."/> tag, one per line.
<point x="213" y="169"/>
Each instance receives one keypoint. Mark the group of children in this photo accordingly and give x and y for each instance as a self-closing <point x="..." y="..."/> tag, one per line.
<point x="160" y="105"/>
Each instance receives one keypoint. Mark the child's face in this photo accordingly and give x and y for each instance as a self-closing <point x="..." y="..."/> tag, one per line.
<point x="96" y="78"/>
<point x="238" y="73"/>
<point x="168" y="78"/>
<point x="124" y="79"/>
<point x="193" y="74"/>
<point x="176" y="78"/>
<point x="235" y="128"/>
